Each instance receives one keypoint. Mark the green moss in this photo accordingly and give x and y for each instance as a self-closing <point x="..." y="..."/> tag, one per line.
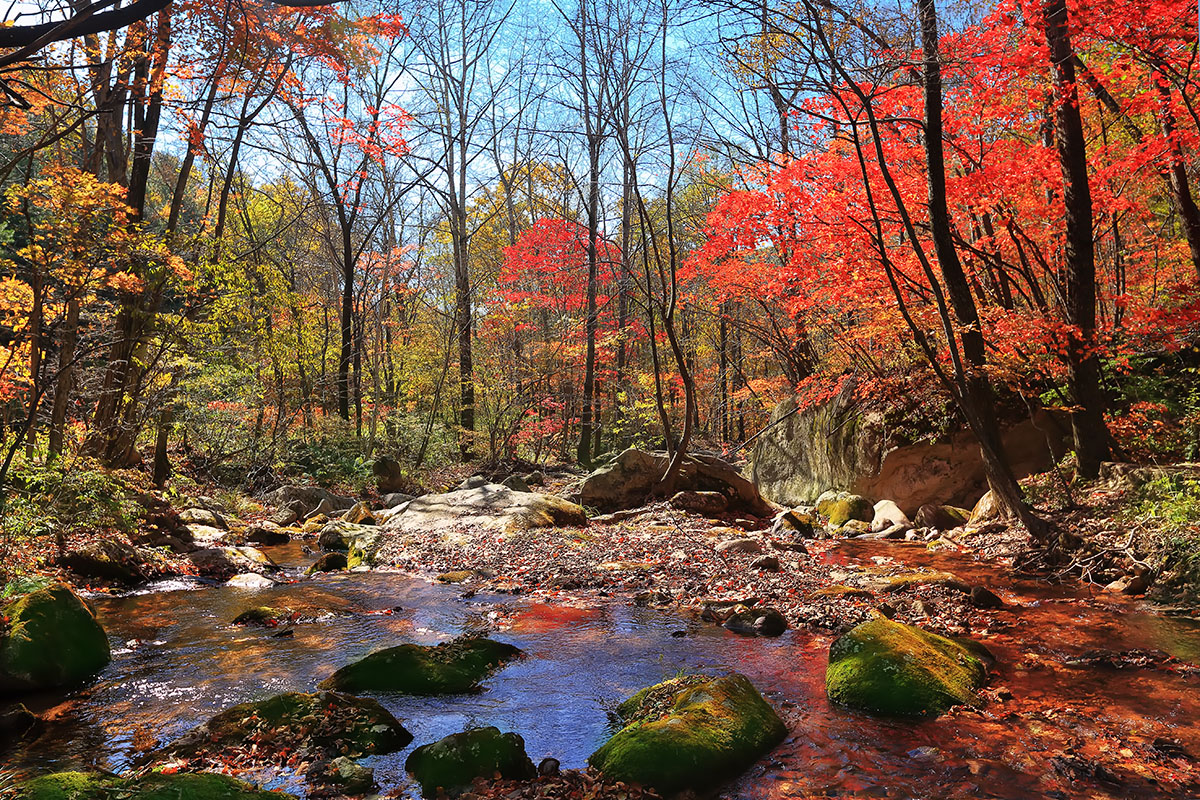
<point x="460" y="758"/>
<point x="52" y="639"/>
<point x="890" y="668"/>
<point x="449" y="668"/>
<point x="337" y="724"/>
<point x="456" y="576"/>
<point x="845" y="507"/>
<point x="154" y="786"/>
<point x="911" y="580"/>
<point x="67" y="786"/>
<point x="690" y="734"/>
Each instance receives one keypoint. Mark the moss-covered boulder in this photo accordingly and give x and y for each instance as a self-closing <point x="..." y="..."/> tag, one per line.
<point x="889" y="668"/>
<point x="842" y="507"/>
<point x="315" y="725"/>
<point x="51" y="639"/>
<point x="153" y="786"/>
<point x="449" y="668"/>
<point x="458" y="759"/>
<point x="690" y="733"/>
<point x="330" y="562"/>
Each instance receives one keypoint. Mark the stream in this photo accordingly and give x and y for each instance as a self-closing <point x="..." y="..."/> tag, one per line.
<point x="177" y="661"/>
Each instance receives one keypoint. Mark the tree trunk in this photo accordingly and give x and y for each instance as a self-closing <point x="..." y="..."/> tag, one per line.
<point x="1087" y="422"/>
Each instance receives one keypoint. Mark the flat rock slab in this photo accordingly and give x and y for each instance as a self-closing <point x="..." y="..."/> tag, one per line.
<point x="487" y="507"/>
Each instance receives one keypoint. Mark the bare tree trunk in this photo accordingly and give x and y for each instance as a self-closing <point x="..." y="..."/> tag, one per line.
<point x="1087" y="422"/>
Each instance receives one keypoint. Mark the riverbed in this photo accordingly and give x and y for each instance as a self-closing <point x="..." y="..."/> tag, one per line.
<point x="178" y="660"/>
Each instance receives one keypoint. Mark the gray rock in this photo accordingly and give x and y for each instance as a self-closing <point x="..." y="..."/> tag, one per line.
<point x="516" y="483"/>
<point x="488" y="507"/>
<point x="535" y="478"/>
<point x="766" y="564"/>
<point x="224" y="562"/>
<point x="746" y="546"/>
<point x="631" y="477"/>
<point x="202" y="516"/>
<point x="283" y="517"/>
<point x="250" y="580"/>
<point x="304" y="499"/>
<point x="707" y="503"/>
<point x="393" y="499"/>
<point x="206" y="535"/>
<point x="888" y="515"/>
<point x="473" y="482"/>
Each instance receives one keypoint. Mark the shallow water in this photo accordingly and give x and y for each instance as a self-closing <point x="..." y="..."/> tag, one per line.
<point x="177" y="660"/>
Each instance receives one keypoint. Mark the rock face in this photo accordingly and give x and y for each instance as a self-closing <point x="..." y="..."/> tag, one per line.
<point x="690" y="733"/>
<point x="837" y="445"/>
<point x="152" y="786"/>
<point x="324" y="724"/>
<point x="458" y="759"/>
<point x="889" y="668"/>
<point x="491" y="507"/>
<point x="52" y="639"/>
<point x="449" y="668"/>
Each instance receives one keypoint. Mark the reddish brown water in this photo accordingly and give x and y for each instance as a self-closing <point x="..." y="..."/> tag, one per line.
<point x="177" y="661"/>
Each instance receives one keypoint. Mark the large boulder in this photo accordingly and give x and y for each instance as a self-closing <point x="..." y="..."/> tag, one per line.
<point x="225" y="562"/>
<point x="628" y="480"/>
<point x="321" y="724"/>
<point x="449" y="668"/>
<point x="390" y="476"/>
<point x="51" y="639"/>
<point x="108" y="560"/>
<point x="836" y="444"/>
<point x="889" y="668"/>
<point x="458" y="759"/>
<point x="304" y="499"/>
<point x="693" y="732"/>
<point x="487" y="507"/>
<point x="842" y="507"/>
<point x="941" y="517"/>
<point x="203" y="516"/>
<point x="151" y="786"/>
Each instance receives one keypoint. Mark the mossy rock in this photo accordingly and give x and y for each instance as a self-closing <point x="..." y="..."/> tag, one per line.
<point x="841" y="507"/>
<point x="52" y="639"/>
<point x="458" y="759"/>
<point x="449" y="668"/>
<point x="153" y="786"/>
<point x="272" y="616"/>
<point x="330" y="562"/>
<point x="325" y="723"/>
<point x="456" y="576"/>
<point x="894" y="669"/>
<point x="690" y="733"/>
<point x="913" y="580"/>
